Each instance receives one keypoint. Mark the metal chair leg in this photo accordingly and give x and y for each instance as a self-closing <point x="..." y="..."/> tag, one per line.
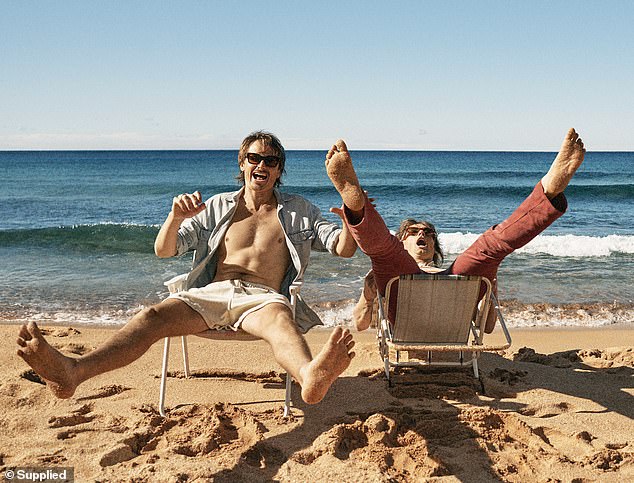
<point x="166" y="354"/>
<point x="287" y="400"/>
<point x="185" y="356"/>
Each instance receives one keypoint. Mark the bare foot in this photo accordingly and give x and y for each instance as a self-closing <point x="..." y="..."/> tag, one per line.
<point x="51" y="365"/>
<point x="565" y="165"/>
<point x="341" y="173"/>
<point x="323" y="370"/>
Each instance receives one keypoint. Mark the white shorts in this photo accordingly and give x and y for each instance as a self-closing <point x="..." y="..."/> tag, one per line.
<point x="224" y="305"/>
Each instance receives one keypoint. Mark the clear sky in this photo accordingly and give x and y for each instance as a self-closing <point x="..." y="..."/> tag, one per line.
<point x="472" y="75"/>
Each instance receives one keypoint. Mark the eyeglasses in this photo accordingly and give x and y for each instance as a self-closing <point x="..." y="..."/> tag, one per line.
<point x="269" y="161"/>
<point x="414" y="230"/>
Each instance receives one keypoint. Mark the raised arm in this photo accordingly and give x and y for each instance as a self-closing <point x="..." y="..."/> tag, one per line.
<point x="183" y="206"/>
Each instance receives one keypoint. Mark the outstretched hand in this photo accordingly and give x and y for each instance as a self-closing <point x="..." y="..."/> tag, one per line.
<point x="187" y="205"/>
<point x="339" y="212"/>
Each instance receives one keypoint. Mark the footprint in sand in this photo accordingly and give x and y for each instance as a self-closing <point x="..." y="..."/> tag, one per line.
<point x="59" y="332"/>
<point x="564" y="443"/>
<point x="105" y="391"/>
<point x="78" y="416"/>
<point x="508" y="377"/>
<point x="73" y="348"/>
<point x="615" y="357"/>
<point x="548" y="410"/>
<point x="559" y="360"/>
<point x="79" y="349"/>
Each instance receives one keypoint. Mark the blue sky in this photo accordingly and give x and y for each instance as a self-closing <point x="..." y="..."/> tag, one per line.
<point x="503" y="75"/>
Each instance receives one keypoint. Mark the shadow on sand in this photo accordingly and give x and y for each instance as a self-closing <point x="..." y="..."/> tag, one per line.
<point x="431" y="422"/>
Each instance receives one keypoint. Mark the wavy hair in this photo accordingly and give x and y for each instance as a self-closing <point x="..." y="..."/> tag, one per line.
<point x="270" y="141"/>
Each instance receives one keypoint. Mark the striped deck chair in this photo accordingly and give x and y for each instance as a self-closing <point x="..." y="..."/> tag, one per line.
<point x="436" y="315"/>
<point x="175" y="285"/>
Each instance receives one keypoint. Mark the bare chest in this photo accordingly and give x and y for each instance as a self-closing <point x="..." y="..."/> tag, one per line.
<point x="259" y="232"/>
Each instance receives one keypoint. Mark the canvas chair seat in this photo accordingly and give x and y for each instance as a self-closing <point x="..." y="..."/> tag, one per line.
<point x="436" y="314"/>
<point x="177" y="284"/>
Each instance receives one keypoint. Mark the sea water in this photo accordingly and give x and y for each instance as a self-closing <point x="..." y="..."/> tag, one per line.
<point x="77" y="227"/>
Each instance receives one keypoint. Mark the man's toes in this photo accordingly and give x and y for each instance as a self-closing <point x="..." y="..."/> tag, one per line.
<point x="24" y="333"/>
<point x="347" y="338"/>
<point x="21" y="342"/>
<point x="336" y="334"/>
<point x="572" y="134"/>
<point x="34" y="330"/>
<point x="341" y="145"/>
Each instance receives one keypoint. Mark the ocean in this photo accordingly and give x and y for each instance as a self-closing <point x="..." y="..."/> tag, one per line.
<point x="77" y="228"/>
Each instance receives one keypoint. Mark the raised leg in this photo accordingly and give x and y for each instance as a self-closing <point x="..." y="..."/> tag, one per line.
<point x="542" y="207"/>
<point x="532" y="217"/>
<point x="388" y="255"/>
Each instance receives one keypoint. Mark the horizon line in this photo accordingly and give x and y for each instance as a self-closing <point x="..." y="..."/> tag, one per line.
<point x="28" y="150"/>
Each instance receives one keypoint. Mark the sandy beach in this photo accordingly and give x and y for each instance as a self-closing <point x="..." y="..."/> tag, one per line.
<point x="557" y="406"/>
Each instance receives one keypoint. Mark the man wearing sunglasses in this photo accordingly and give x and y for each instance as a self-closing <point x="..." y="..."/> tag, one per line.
<point x="249" y="247"/>
<point x="416" y="249"/>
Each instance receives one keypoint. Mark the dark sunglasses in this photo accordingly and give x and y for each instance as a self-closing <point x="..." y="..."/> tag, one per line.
<point x="413" y="231"/>
<point x="269" y="161"/>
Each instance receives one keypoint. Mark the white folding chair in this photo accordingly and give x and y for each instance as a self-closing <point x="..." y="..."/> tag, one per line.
<point x="176" y="285"/>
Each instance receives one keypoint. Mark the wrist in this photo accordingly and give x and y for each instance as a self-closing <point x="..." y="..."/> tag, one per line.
<point x="174" y="218"/>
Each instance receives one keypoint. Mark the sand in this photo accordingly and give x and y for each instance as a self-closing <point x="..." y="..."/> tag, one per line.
<point x="557" y="406"/>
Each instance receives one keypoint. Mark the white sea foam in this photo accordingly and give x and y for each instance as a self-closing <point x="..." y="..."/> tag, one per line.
<point x="521" y="315"/>
<point x="555" y="245"/>
<point x="340" y="314"/>
<point x="88" y="318"/>
<point x="516" y="314"/>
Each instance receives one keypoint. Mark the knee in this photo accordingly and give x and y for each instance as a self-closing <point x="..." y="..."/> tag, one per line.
<point x="283" y="319"/>
<point x="270" y="323"/>
<point x="279" y="324"/>
<point x="150" y="316"/>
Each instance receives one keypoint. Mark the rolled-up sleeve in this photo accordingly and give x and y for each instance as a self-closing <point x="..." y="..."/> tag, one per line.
<point x="326" y="232"/>
<point x="188" y="235"/>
